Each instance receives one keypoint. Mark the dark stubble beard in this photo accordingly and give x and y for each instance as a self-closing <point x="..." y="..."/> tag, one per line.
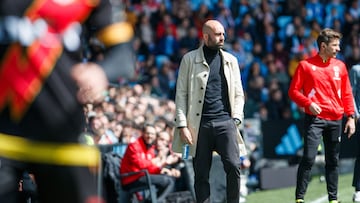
<point x="215" y="46"/>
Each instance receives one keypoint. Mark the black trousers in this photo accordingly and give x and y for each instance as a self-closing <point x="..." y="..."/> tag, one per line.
<point x="219" y="136"/>
<point x="55" y="184"/>
<point x="330" y="132"/>
<point x="356" y="177"/>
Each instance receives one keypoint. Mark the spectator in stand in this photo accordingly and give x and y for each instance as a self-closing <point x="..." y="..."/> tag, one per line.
<point x="310" y="47"/>
<point x="127" y="134"/>
<point x="256" y="84"/>
<point x="145" y="31"/>
<point x="314" y="29"/>
<point x="258" y="53"/>
<point x="99" y="132"/>
<point x="291" y="27"/>
<point x="180" y="11"/>
<point x="293" y="7"/>
<point x="315" y="10"/>
<point x="117" y="129"/>
<point x="238" y="51"/>
<point x="147" y="7"/>
<point x="264" y="14"/>
<point x="200" y="16"/>
<point x="239" y="8"/>
<point x="295" y="43"/>
<point x="333" y="15"/>
<point x="263" y="113"/>
<point x="175" y="168"/>
<point x="183" y="28"/>
<point x="156" y="89"/>
<point x="276" y="104"/>
<point x="190" y="41"/>
<point x="354" y="9"/>
<point x="351" y="50"/>
<point x="166" y="78"/>
<point x="165" y="27"/>
<point x="230" y="37"/>
<point x="294" y="61"/>
<point x="164" y="153"/>
<point x="160" y="124"/>
<point x="156" y="16"/>
<point x="354" y="58"/>
<point x="167" y="44"/>
<point x="141" y="155"/>
<point x="247" y="44"/>
<point x="112" y="91"/>
<point x="225" y="17"/>
<point x="268" y="38"/>
<point x="251" y="108"/>
<point x="276" y="74"/>
<point x="335" y="10"/>
<point x="247" y="25"/>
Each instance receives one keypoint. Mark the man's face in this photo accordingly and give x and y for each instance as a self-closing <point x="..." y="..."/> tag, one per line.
<point x="331" y="49"/>
<point x="97" y="126"/>
<point x="216" y="37"/>
<point x="149" y="135"/>
<point x="163" y="140"/>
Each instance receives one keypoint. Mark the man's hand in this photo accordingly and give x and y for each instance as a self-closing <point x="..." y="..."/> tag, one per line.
<point x="172" y="159"/>
<point x="314" y="108"/>
<point x="171" y="172"/>
<point x="185" y="135"/>
<point x="350" y="126"/>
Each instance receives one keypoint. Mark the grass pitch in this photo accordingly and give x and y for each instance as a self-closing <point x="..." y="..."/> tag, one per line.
<point x="316" y="192"/>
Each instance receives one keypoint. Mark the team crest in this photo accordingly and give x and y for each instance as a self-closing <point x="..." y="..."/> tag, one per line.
<point x="336" y="73"/>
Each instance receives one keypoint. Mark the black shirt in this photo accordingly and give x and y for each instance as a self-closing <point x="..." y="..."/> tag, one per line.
<point x="216" y="101"/>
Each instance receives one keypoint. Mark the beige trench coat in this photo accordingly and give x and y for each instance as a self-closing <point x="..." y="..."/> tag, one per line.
<point x="190" y="92"/>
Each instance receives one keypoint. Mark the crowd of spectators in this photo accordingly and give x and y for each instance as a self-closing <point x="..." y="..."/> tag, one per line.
<point x="268" y="37"/>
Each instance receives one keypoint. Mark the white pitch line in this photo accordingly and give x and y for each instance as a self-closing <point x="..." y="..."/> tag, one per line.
<point x="321" y="199"/>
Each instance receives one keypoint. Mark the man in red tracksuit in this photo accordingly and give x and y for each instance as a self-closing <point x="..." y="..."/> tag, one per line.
<point x="321" y="86"/>
<point x="141" y="155"/>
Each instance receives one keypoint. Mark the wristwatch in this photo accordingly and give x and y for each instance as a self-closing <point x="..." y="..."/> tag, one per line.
<point x="237" y="121"/>
<point x="351" y="116"/>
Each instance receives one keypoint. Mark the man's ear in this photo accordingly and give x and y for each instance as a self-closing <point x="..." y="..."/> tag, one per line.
<point x="206" y="36"/>
<point x="323" y="45"/>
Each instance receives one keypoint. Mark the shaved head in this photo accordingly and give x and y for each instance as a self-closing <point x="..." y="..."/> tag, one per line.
<point x="211" y="25"/>
<point x="213" y="34"/>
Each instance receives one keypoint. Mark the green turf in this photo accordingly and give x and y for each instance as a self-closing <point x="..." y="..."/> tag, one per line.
<point x="315" y="191"/>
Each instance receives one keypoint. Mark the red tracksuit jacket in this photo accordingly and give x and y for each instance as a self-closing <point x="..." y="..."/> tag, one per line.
<point x="325" y="83"/>
<point x="137" y="157"/>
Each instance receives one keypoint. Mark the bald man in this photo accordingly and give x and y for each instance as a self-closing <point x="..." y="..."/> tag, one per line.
<point x="209" y="109"/>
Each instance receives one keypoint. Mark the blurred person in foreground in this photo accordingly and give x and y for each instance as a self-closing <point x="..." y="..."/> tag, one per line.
<point x="44" y="84"/>
<point x="209" y="107"/>
<point x="354" y="74"/>
<point x="322" y="87"/>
